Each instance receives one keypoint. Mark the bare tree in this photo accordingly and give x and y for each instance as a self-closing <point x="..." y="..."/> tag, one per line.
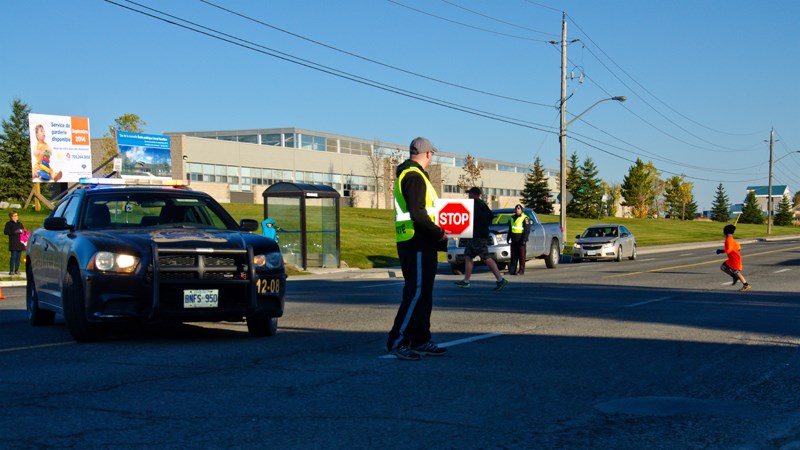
<point x="471" y="175"/>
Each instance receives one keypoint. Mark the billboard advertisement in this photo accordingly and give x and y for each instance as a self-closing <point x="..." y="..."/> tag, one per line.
<point x="60" y="148"/>
<point x="144" y="155"/>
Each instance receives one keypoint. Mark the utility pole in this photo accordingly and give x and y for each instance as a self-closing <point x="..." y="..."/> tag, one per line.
<point x="562" y="137"/>
<point x="769" y="194"/>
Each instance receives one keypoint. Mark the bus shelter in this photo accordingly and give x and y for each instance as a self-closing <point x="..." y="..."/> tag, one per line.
<point x="307" y="220"/>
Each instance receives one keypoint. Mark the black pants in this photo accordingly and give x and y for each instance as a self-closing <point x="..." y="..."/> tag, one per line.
<point x="412" y="324"/>
<point x="517" y="263"/>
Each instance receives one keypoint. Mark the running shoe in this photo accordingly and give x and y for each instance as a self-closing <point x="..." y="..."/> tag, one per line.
<point x="406" y="354"/>
<point x="501" y="284"/>
<point x="429" y="348"/>
<point x="462" y="283"/>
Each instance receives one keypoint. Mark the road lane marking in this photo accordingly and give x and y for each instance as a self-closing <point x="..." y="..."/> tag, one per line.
<point x="686" y="254"/>
<point x="33" y="347"/>
<point x="393" y="283"/>
<point x="456" y="342"/>
<point x="716" y="261"/>
<point x="782" y="270"/>
<point x="647" y="301"/>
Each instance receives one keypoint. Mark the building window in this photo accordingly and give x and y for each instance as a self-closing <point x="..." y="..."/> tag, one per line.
<point x="355" y="148"/>
<point x="311" y="142"/>
<point x="288" y="140"/>
<point x="271" y="139"/>
<point x="250" y="139"/>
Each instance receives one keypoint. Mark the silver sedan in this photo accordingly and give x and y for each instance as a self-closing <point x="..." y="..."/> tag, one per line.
<point x="604" y="241"/>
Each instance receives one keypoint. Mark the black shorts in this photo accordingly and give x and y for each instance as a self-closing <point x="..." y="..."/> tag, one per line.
<point x="727" y="269"/>
<point x="477" y="247"/>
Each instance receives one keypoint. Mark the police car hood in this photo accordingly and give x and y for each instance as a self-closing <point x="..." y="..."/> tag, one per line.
<point x="173" y="238"/>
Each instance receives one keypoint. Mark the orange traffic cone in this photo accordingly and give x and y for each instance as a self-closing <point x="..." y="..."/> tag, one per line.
<point x="2" y="297"/>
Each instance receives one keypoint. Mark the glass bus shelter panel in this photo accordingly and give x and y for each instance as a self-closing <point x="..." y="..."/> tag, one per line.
<point x="286" y="213"/>
<point x="321" y="247"/>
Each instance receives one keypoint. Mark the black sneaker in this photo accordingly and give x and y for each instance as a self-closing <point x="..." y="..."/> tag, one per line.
<point x="501" y="284"/>
<point x="429" y="348"/>
<point x="735" y="280"/>
<point x="462" y="283"/>
<point x="405" y="353"/>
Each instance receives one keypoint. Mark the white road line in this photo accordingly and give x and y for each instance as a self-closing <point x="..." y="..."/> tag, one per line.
<point x="686" y="254"/>
<point x="727" y="283"/>
<point x="456" y="342"/>
<point x="782" y="270"/>
<point x="648" y="301"/>
<point x="379" y="285"/>
<point x="646" y="259"/>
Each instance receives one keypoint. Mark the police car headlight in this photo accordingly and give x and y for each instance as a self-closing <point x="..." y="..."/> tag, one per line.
<point x="576" y="245"/>
<point x="272" y="260"/>
<point x="114" y="262"/>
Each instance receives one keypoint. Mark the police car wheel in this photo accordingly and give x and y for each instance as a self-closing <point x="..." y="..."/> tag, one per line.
<point x="262" y="326"/>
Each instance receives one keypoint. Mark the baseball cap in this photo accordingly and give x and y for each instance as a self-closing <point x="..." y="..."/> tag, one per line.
<point x="421" y="145"/>
<point x="474" y="191"/>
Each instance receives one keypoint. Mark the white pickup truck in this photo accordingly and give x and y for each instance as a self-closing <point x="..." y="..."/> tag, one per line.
<point x="545" y="241"/>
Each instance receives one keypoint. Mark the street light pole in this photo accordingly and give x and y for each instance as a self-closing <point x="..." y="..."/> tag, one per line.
<point x="769" y="193"/>
<point x="562" y="136"/>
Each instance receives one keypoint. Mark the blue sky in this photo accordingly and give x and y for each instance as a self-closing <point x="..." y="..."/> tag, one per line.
<point x="705" y="80"/>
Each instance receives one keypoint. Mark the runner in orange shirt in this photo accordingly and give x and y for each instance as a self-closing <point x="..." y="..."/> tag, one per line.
<point x="733" y="265"/>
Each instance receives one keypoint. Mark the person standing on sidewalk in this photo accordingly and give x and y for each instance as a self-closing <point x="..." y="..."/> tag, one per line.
<point x="733" y="265"/>
<point x="418" y="240"/>
<point x="478" y="245"/>
<point x="14" y="231"/>
<point x="518" y="229"/>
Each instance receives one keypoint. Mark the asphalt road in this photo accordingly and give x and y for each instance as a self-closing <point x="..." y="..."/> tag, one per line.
<point x="660" y="352"/>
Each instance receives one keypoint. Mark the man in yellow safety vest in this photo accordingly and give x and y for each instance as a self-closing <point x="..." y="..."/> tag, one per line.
<point x="418" y="240"/>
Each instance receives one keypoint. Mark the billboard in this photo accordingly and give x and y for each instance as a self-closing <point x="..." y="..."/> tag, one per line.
<point x="60" y="149"/>
<point x="144" y="155"/>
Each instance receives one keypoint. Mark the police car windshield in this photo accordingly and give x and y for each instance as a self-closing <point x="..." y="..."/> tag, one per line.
<point x="154" y="210"/>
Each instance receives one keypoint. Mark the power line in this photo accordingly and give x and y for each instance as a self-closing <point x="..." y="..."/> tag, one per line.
<point x="648" y="91"/>
<point x="325" y="69"/>
<point x="464" y="24"/>
<point x="498" y="20"/>
<point x="363" y="58"/>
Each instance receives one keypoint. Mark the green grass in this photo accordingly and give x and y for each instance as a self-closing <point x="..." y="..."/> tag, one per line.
<point x="367" y="235"/>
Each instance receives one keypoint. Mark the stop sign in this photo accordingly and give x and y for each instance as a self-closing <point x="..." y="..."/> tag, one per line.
<point x="455" y="217"/>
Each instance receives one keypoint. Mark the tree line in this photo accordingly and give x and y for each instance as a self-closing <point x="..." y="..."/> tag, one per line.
<point x="642" y="191"/>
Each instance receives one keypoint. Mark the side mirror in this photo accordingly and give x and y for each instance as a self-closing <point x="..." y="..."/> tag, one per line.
<point x="577" y="236"/>
<point x="248" y="225"/>
<point x="56" y="224"/>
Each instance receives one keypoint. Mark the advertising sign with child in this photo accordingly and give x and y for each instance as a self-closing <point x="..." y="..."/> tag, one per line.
<point x="60" y="148"/>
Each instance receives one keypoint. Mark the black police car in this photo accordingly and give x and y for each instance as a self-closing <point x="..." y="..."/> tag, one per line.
<point x="119" y="253"/>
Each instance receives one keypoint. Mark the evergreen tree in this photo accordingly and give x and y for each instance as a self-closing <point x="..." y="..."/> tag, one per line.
<point x="573" y="185"/>
<point x="720" y="209"/>
<point x="785" y="215"/>
<point x="16" y="179"/>
<point x="751" y="213"/>
<point x="536" y="194"/>
<point x="637" y="188"/>
<point x="691" y="210"/>
<point x="590" y="191"/>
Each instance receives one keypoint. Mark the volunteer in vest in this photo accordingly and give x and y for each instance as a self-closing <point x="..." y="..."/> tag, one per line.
<point x="518" y="229"/>
<point x="418" y="240"/>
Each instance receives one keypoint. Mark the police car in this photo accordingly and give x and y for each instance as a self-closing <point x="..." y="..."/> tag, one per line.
<point x="113" y="253"/>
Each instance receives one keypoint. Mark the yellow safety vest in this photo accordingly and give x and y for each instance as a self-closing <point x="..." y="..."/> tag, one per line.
<point x="518" y="226"/>
<point x="404" y="226"/>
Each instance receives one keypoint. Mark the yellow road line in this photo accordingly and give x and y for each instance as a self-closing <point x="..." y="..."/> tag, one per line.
<point x="716" y="261"/>
<point x="33" y="347"/>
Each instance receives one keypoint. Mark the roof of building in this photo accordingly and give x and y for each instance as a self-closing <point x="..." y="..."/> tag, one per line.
<point x="762" y="190"/>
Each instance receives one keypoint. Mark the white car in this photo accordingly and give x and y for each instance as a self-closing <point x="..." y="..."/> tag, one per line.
<point x="604" y="241"/>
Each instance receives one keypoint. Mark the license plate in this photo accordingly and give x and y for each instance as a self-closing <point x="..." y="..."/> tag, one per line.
<point x="591" y="252"/>
<point x="200" y="298"/>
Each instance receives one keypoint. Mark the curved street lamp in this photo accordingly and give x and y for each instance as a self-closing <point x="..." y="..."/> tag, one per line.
<point x="563" y="140"/>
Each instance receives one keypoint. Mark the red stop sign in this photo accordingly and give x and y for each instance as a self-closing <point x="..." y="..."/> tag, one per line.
<point x="454" y="218"/>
